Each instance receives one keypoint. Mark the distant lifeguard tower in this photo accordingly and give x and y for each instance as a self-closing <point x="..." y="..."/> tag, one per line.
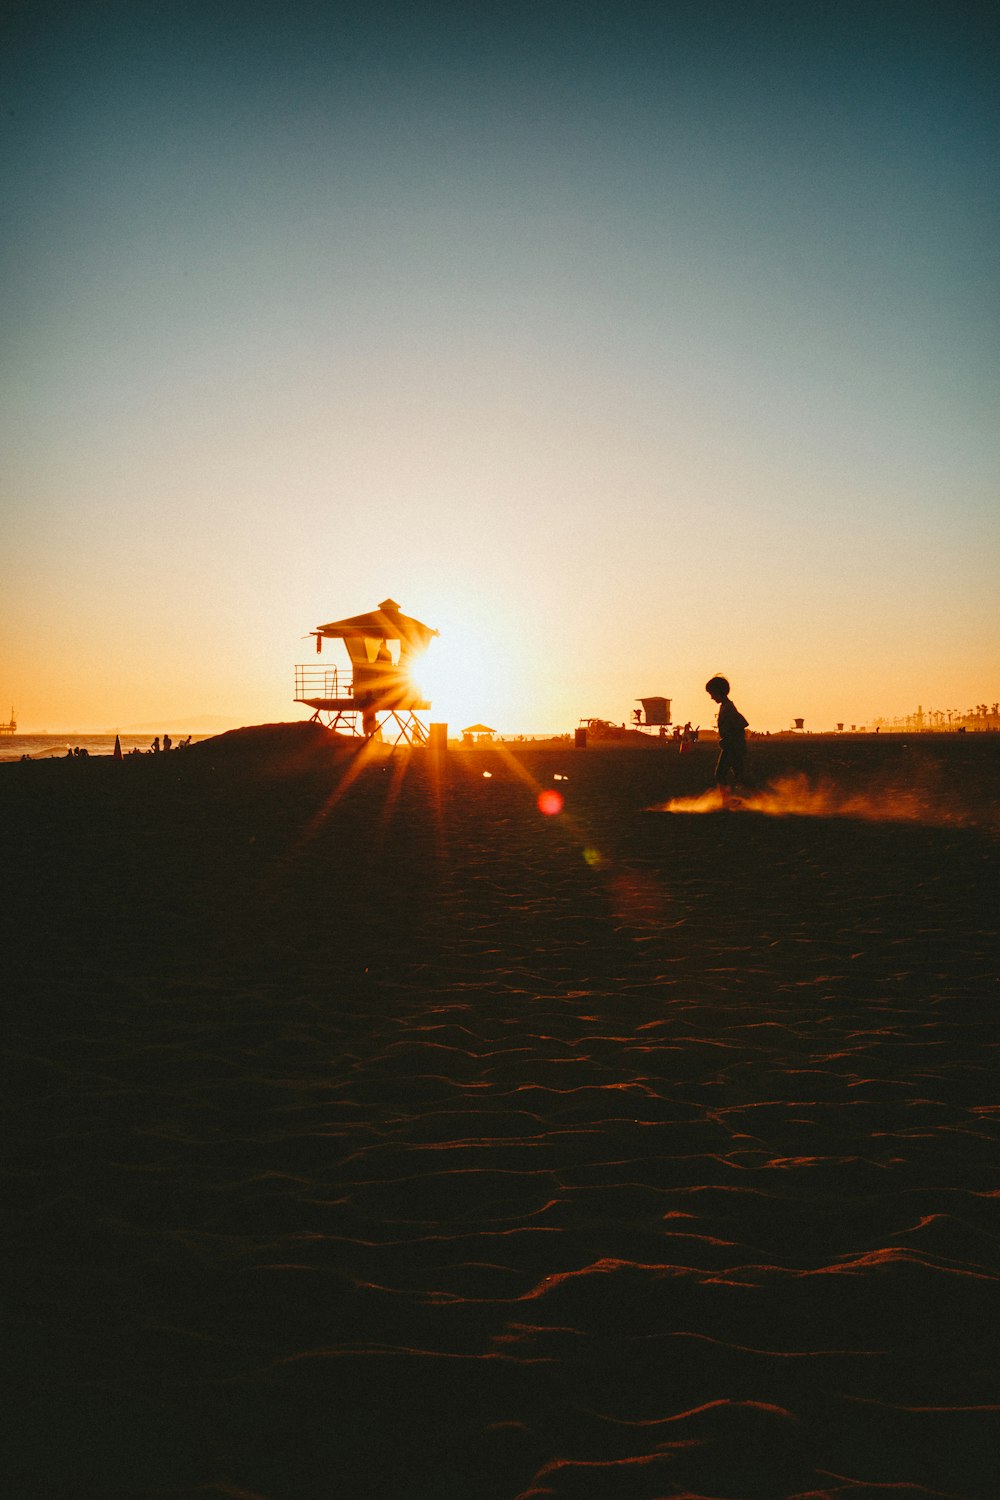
<point x="656" y="712"/>
<point x="377" y="688"/>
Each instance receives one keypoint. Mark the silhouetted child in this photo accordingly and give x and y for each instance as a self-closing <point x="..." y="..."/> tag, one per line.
<point x="732" y="735"/>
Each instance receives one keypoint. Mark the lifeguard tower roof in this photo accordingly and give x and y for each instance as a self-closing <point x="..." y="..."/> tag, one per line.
<point x="385" y="623"/>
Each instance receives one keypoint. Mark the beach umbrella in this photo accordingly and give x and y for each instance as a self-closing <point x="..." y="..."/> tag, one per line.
<point x="118" y="748"/>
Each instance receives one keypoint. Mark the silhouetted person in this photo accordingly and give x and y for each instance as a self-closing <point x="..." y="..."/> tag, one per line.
<point x="155" y="747"/>
<point x="167" y="742"/>
<point x="732" y="734"/>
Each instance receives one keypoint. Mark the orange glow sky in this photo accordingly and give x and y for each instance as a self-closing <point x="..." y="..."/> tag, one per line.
<point x="623" y="344"/>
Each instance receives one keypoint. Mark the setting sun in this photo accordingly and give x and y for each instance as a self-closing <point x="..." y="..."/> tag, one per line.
<point x="459" y="675"/>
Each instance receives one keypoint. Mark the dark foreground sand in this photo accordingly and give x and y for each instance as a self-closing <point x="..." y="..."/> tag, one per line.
<point x="398" y="1141"/>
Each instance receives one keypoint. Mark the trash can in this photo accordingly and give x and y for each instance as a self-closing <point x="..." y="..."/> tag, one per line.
<point x="580" y="738"/>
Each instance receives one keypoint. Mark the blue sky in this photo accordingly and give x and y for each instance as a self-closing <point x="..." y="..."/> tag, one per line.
<point x="623" y="343"/>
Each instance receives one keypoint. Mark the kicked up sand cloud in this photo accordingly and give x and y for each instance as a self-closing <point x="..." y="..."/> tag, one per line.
<point x="797" y="796"/>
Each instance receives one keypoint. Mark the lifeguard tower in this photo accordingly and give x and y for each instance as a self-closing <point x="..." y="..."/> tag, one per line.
<point x="654" y="714"/>
<point x="377" y="688"/>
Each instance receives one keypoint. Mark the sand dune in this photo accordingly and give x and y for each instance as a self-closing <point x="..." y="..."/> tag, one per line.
<point x="373" y="1134"/>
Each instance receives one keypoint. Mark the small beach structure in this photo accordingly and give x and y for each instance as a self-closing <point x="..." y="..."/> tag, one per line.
<point x="377" y="688"/>
<point x="478" y="734"/>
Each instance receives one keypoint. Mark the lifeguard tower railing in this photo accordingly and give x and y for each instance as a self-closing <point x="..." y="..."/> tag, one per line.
<point x="327" y="685"/>
<point x="377" y="699"/>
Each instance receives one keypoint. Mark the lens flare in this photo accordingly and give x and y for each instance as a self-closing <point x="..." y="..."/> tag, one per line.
<point x="550" y="803"/>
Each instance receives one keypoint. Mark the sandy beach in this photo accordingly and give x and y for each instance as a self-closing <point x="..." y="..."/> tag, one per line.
<point x="370" y="1133"/>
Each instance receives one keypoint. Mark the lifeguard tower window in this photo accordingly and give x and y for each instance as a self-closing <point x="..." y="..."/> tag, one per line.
<point x="656" y="711"/>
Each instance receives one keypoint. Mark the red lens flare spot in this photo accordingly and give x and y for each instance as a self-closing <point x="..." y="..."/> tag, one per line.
<point x="550" y="803"/>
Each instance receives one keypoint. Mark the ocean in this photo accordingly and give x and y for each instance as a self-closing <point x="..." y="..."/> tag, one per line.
<point x="46" y="746"/>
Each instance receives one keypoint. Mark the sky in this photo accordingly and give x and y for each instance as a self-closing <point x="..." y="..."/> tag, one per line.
<point x="622" y="343"/>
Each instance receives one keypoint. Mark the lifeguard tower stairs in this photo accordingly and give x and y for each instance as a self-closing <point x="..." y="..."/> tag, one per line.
<point x="376" y="691"/>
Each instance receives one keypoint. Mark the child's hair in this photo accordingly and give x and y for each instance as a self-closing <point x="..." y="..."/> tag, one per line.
<point x="717" y="685"/>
